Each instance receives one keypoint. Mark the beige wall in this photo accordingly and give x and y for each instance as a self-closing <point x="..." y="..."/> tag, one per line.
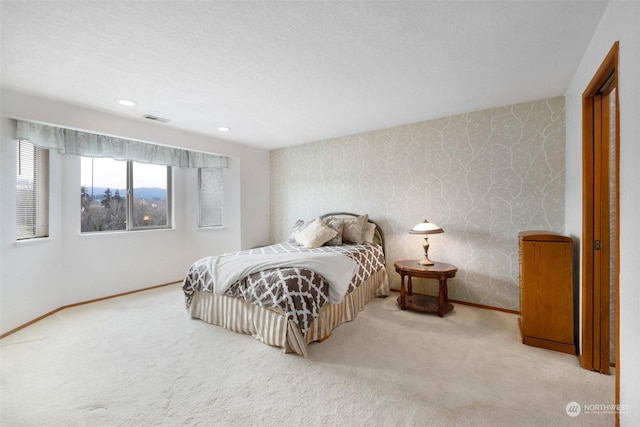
<point x="482" y="176"/>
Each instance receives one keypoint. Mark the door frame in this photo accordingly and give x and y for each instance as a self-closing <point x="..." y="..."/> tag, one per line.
<point x="594" y="354"/>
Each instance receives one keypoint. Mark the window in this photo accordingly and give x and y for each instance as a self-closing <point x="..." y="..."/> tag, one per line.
<point x="105" y="187"/>
<point x="210" y="183"/>
<point x="32" y="191"/>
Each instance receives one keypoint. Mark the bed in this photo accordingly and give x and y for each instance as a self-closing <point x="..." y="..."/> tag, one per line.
<point x="295" y="292"/>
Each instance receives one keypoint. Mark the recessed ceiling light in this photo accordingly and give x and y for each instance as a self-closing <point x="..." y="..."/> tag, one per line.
<point x="224" y="128"/>
<point x="126" y="102"/>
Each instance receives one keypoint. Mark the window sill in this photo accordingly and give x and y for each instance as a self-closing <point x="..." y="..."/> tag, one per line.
<point x="212" y="228"/>
<point x="124" y="232"/>
<point x="33" y="240"/>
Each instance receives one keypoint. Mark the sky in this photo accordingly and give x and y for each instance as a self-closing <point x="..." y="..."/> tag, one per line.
<point x="112" y="174"/>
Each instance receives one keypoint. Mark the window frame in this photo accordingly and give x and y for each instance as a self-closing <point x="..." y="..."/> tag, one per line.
<point x="41" y="179"/>
<point x="129" y="207"/>
<point x="200" y="219"/>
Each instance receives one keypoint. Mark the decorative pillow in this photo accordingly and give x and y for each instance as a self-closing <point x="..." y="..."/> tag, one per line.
<point x="369" y="232"/>
<point x="338" y="225"/>
<point x="297" y="227"/>
<point x="315" y="234"/>
<point x="353" y="230"/>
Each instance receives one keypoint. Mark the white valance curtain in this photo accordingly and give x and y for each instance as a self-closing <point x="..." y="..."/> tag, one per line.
<point x="69" y="141"/>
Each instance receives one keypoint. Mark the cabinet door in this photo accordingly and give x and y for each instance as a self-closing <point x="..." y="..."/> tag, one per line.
<point x="547" y="292"/>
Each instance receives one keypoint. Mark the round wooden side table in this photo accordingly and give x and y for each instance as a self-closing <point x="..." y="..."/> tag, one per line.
<point x="425" y="303"/>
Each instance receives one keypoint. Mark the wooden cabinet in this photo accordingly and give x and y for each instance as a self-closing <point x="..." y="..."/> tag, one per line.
<point x="546" y="290"/>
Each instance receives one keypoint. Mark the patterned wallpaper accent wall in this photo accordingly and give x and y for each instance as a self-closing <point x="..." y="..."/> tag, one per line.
<point x="482" y="176"/>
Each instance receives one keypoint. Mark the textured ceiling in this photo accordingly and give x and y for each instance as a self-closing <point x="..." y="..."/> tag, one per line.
<point x="283" y="73"/>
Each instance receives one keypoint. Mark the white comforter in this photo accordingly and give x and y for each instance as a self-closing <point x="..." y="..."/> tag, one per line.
<point x="337" y="269"/>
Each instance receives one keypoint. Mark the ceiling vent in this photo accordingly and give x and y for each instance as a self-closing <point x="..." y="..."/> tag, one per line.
<point x="156" y="118"/>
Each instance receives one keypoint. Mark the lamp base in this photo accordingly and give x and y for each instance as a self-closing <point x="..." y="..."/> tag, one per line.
<point x="426" y="262"/>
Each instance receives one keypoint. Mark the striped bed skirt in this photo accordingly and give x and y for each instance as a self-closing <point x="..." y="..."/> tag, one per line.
<point x="271" y="326"/>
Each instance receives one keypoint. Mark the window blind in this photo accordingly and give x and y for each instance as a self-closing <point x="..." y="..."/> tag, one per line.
<point x="32" y="191"/>
<point x="211" y="187"/>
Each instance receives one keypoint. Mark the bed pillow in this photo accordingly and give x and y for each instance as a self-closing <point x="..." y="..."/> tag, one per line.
<point x="369" y="232"/>
<point x="338" y="225"/>
<point x="315" y="234"/>
<point x="353" y="231"/>
<point x="297" y="227"/>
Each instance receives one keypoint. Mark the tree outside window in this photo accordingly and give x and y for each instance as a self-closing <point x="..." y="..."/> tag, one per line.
<point x="104" y="195"/>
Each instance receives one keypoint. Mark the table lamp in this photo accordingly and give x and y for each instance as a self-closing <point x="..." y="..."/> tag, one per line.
<point x="426" y="228"/>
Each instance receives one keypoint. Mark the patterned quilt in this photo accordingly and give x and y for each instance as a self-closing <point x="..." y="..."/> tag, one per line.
<point x="297" y="292"/>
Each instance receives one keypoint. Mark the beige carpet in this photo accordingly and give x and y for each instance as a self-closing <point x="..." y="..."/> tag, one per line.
<point x="140" y="360"/>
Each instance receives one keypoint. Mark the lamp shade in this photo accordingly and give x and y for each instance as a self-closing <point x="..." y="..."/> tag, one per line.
<point x="426" y="228"/>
